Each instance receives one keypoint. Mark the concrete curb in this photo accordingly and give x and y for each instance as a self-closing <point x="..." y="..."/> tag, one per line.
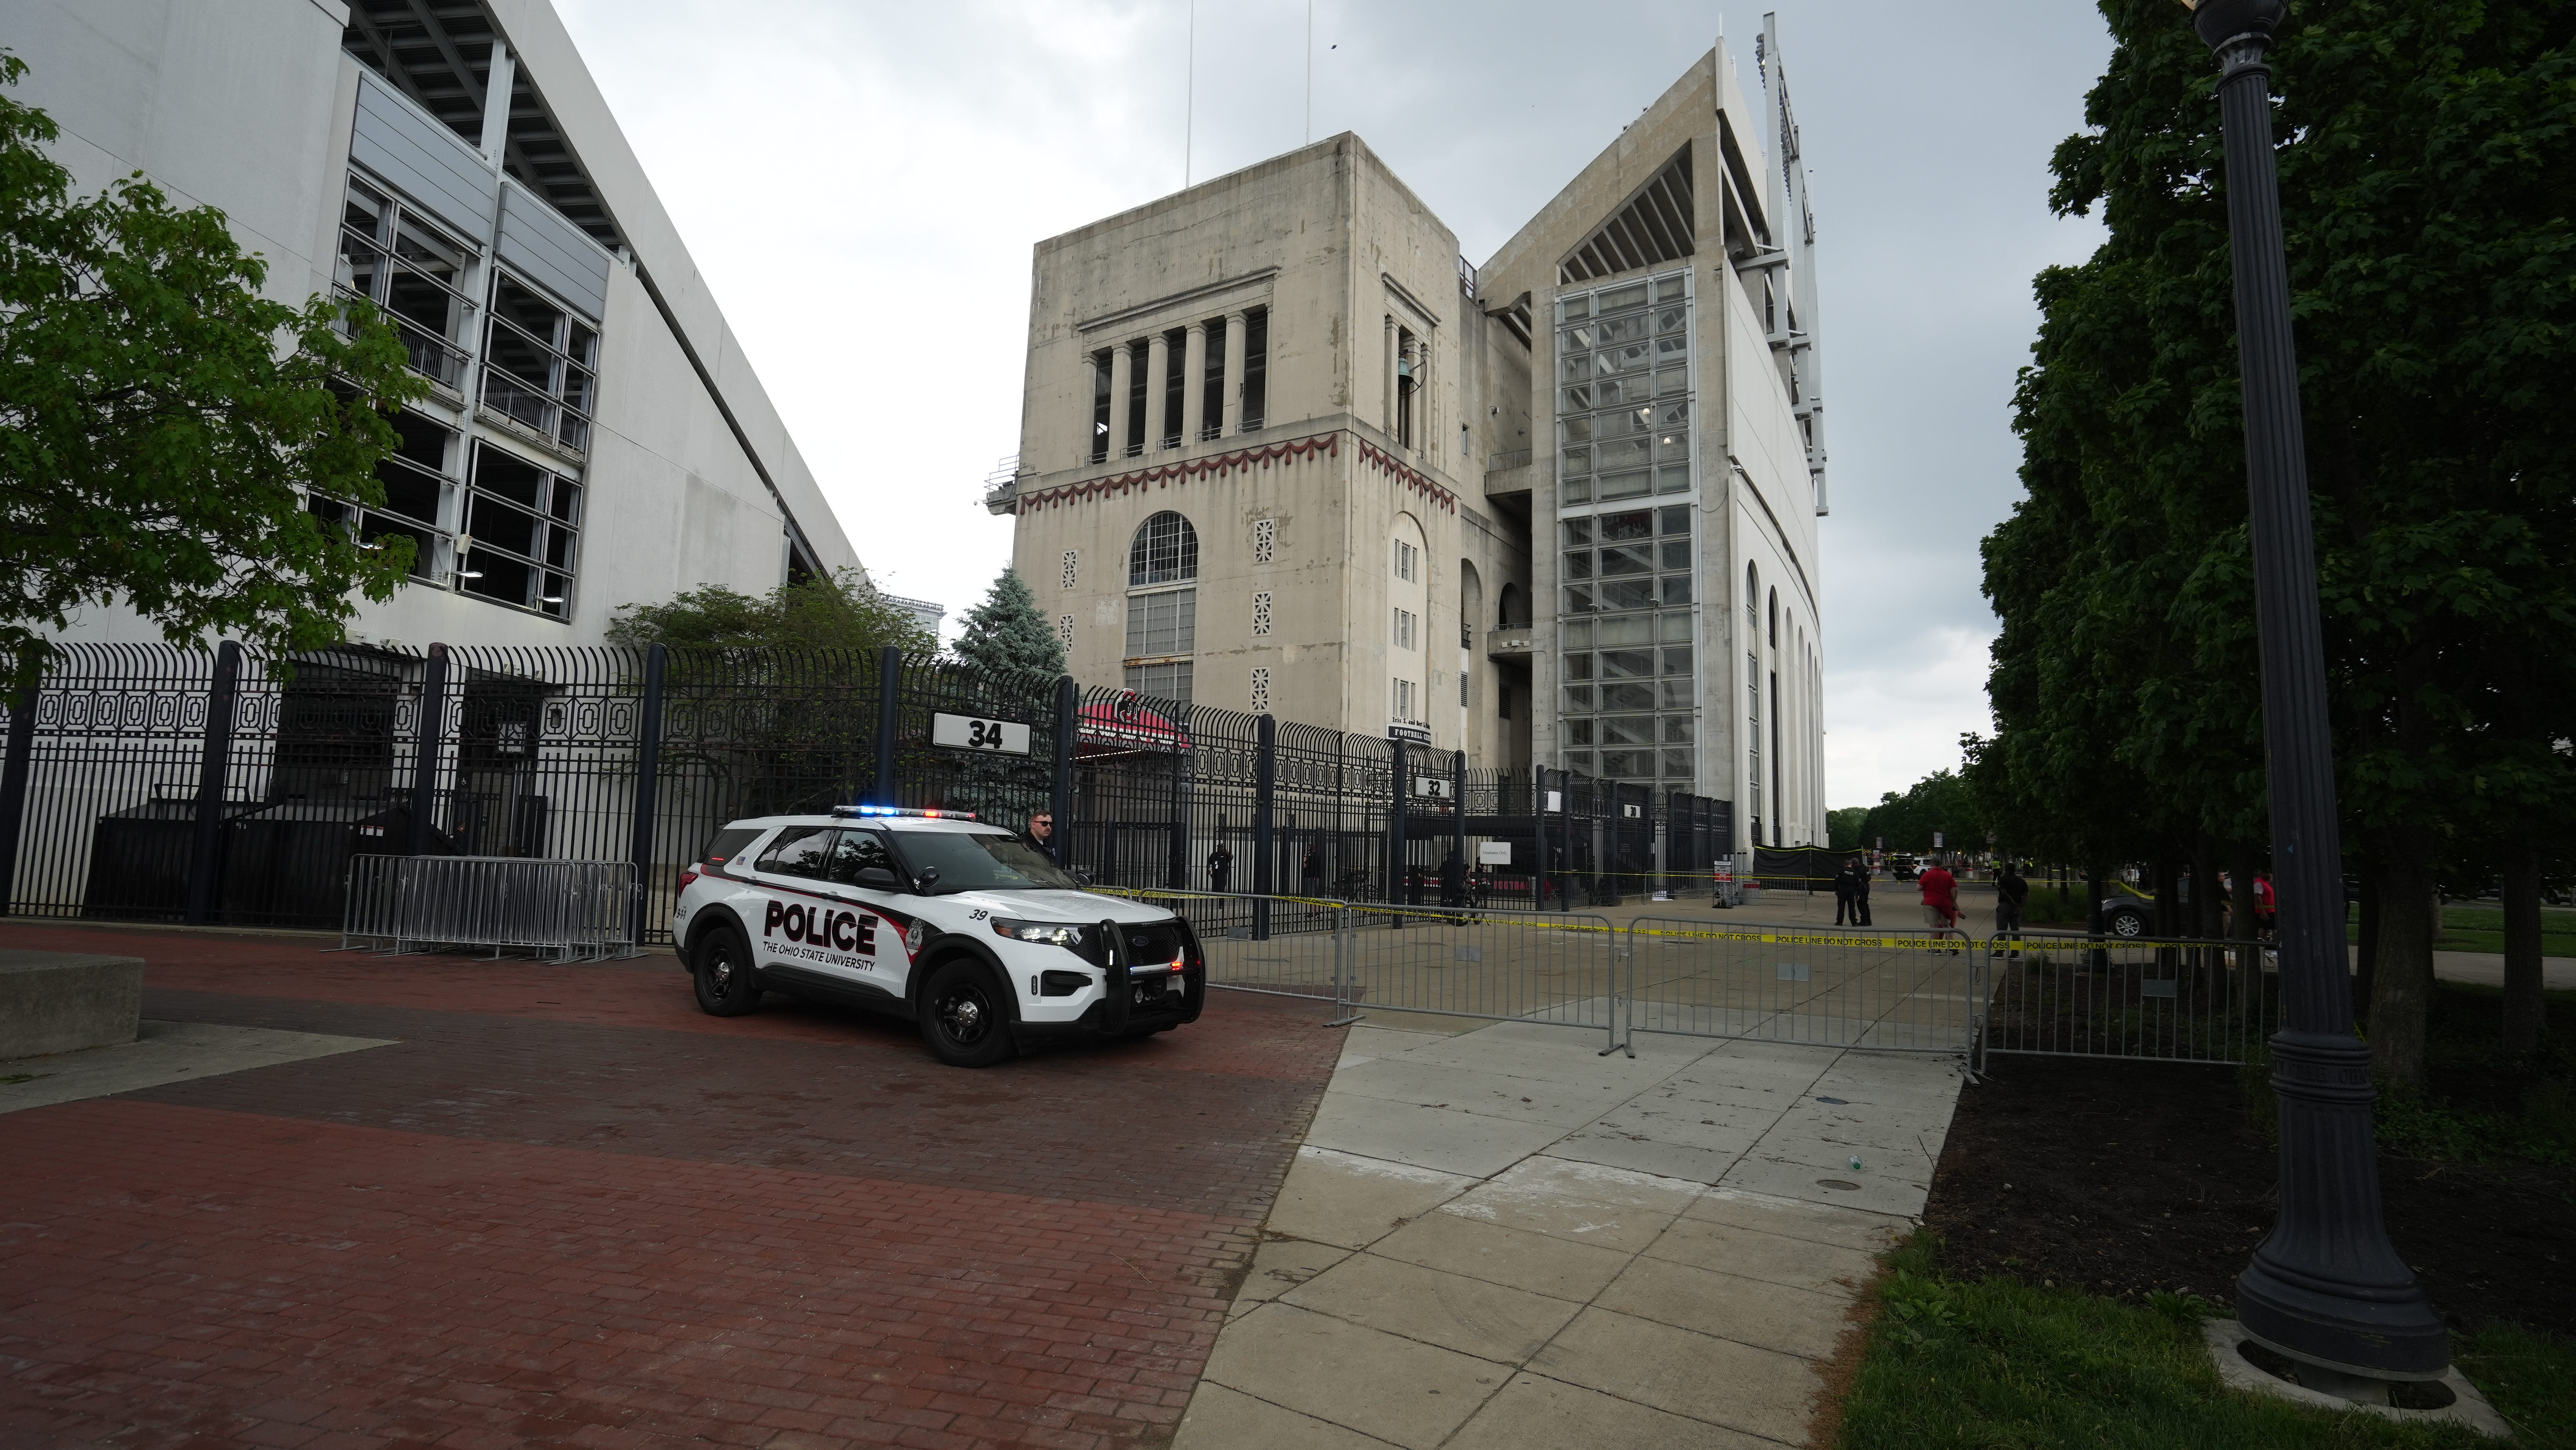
<point x="2468" y="1407"/>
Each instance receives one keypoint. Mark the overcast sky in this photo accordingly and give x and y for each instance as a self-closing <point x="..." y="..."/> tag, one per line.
<point x="863" y="183"/>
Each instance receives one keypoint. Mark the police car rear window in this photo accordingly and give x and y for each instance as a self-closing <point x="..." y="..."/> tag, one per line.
<point x="799" y="851"/>
<point x="728" y="844"/>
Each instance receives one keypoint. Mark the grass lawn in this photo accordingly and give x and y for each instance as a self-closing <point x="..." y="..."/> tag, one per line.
<point x="2481" y="929"/>
<point x="2003" y="1363"/>
<point x="2465" y="928"/>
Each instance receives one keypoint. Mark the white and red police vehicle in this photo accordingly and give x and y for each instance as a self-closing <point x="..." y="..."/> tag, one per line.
<point x="934" y="917"/>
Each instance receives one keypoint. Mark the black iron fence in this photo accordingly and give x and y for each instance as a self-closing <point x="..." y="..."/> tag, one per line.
<point x="153" y="783"/>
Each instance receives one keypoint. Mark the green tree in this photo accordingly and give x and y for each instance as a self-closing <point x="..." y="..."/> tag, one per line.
<point x="2426" y="150"/>
<point x="843" y="612"/>
<point x="163" y="426"/>
<point x="792" y="677"/>
<point x="1939" y="803"/>
<point x="1843" y="828"/>
<point x="1008" y="638"/>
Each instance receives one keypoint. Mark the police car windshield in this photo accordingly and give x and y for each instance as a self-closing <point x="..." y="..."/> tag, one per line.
<point x="979" y="861"/>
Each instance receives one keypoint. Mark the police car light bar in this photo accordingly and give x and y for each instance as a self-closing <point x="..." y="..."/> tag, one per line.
<point x="902" y="811"/>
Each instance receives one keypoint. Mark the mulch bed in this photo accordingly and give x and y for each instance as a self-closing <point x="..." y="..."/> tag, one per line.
<point x="2124" y="1177"/>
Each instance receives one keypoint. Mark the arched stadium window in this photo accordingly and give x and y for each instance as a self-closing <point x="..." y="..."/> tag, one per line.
<point x="1165" y="551"/>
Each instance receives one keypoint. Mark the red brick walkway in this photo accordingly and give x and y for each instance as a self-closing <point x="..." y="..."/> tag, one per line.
<point x="567" y="1208"/>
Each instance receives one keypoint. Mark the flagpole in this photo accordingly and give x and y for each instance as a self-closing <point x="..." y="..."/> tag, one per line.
<point x="1190" y="105"/>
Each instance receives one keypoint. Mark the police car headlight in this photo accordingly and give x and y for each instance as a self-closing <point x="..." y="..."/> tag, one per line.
<point x="1072" y="936"/>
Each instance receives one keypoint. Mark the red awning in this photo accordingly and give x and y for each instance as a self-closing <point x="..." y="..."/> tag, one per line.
<point x="1127" y="723"/>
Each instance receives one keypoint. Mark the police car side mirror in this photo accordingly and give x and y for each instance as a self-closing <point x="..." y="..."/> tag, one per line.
<point x="875" y="878"/>
<point x="1081" y="878"/>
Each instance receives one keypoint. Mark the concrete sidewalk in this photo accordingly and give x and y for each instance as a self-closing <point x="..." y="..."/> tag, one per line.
<point x="1495" y="1237"/>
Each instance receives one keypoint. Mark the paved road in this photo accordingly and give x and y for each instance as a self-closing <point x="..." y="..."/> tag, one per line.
<point x="519" y="1203"/>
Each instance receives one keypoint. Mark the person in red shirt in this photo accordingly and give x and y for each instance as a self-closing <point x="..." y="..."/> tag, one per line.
<point x="2266" y="905"/>
<point x="1940" y="903"/>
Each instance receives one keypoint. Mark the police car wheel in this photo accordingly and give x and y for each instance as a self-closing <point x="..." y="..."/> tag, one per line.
<point x="963" y="1018"/>
<point x="721" y="967"/>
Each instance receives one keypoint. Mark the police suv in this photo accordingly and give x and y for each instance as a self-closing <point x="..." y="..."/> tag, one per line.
<point x="935" y="918"/>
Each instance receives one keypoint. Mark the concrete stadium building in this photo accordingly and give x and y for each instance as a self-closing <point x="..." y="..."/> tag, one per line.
<point x="1284" y="450"/>
<point x="594" y="435"/>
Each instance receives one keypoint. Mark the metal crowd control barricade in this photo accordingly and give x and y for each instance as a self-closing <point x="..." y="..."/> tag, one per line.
<point x="1878" y="990"/>
<point x="2158" y="999"/>
<point x="1504" y="966"/>
<point x="561" y="910"/>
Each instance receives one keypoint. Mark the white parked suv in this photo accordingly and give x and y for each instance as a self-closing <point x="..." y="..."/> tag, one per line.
<point x="935" y="918"/>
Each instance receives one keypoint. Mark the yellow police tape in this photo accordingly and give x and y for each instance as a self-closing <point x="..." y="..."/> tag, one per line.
<point x="1943" y="943"/>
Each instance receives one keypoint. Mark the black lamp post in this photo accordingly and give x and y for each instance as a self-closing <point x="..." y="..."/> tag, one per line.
<point x="2325" y="1287"/>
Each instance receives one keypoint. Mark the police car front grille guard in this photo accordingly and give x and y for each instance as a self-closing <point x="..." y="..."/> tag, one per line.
<point x="560" y="910"/>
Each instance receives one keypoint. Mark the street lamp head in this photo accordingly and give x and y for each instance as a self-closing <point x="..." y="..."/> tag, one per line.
<point x="2220" y="21"/>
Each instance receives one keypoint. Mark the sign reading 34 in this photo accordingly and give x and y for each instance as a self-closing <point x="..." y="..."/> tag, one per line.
<point x="968" y="732"/>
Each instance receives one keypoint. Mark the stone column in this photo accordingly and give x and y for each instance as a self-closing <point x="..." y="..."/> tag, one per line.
<point x="1121" y="375"/>
<point x="1233" y="390"/>
<point x="1158" y="387"/>
<point x="1089" y="406"/>
<point x="1194" y="382"/>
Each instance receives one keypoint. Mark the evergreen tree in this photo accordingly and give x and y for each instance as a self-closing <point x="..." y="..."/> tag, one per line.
<point x="1011" y="660"/>
<point x="1007" y="637"/>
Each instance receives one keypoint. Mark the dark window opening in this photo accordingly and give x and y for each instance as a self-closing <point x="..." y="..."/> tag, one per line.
<point x="1408" y="381"/>
<point x="422" y="441"/>
<point x="539" y="360"/>
<point x="1256" y="368"/>
<point x="1176" y="385"/>
<point x="1136" y="370"/>
<point x="1100" y="405"/>
<point x="1775" y="755"/>
<point x="398" y="262"/>
<point x="1212" y="382"/>
<point x="522" y="526"/>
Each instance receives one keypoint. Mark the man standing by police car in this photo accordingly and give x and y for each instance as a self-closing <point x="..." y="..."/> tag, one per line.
<point x="1040" y="836"/>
